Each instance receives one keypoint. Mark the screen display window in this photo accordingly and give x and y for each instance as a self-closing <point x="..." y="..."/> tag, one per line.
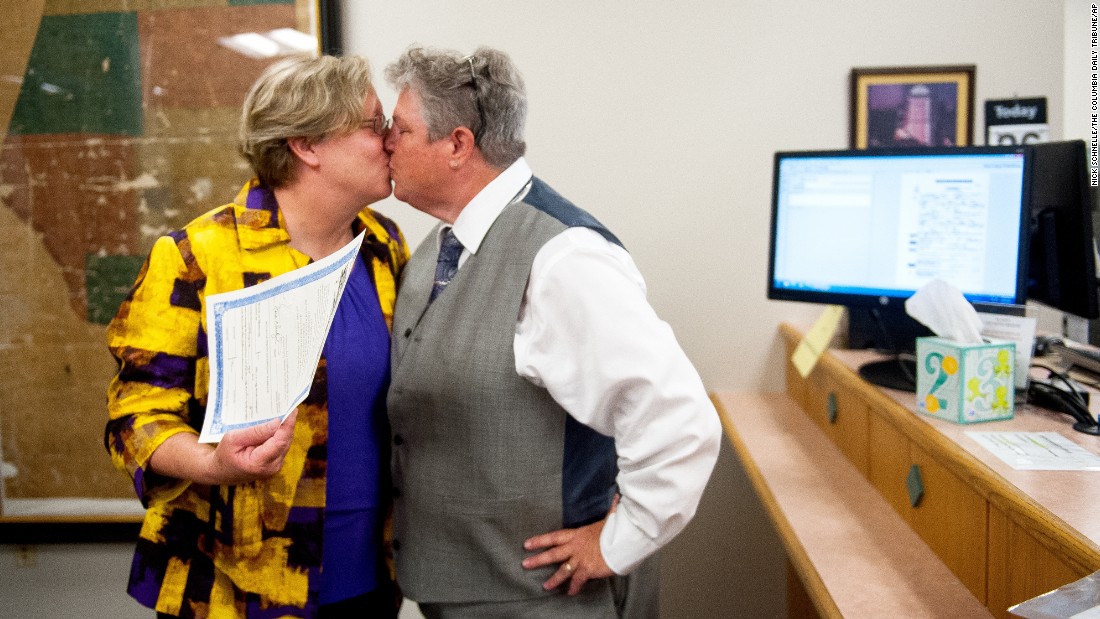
<point x="883" y="224"/>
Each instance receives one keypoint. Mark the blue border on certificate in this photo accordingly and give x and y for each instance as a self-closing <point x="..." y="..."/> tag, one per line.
<point x="219" y="309"/>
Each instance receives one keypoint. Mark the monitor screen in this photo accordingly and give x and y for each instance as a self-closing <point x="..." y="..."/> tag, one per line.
<point x="867" y="228"/>
<point x="1062" y="263"/>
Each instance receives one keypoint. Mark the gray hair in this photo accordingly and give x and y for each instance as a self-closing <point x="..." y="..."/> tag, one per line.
<point x="300" y="96"/>
<point x="483" y="92"/>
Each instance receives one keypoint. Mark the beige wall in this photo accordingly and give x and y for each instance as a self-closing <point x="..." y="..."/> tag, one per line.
<point x="661" y="119"/>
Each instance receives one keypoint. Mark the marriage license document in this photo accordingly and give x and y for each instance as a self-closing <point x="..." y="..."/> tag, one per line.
<point x="265" y="341"/>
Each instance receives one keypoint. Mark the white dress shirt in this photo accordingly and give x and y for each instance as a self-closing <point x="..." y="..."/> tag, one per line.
<point x="588" y="336"/>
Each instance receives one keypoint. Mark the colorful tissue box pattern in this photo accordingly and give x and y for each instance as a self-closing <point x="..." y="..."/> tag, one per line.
<point x="965" y="383"/>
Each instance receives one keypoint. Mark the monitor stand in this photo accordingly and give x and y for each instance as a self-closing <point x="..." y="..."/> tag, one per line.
<point x="895" y="373"/>
<point x="887" y="329"/>
<point x="884" y="328"/>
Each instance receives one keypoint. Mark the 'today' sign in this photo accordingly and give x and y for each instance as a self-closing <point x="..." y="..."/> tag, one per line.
<point x="1016" y="121"/>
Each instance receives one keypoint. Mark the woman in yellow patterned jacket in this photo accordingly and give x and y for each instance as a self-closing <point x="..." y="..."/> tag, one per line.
<point x="277" y="520"/>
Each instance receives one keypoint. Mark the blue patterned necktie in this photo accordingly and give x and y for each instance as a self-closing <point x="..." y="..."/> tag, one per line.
<point x="449" y="251"/>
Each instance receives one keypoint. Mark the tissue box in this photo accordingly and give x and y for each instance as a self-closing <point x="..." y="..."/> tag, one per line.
<point x="965" y="383"/>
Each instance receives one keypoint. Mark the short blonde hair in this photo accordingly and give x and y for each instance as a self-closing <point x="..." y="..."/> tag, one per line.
<point x="300" y="96"/>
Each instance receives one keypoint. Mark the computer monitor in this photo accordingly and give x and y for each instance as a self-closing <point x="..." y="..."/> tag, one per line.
<point x="866" y="228"/>
<point x="1062" y="262"/>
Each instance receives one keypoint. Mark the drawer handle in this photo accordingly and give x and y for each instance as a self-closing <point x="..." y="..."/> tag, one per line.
<point x="832" y="407"/>
<point x="915" y="484"/>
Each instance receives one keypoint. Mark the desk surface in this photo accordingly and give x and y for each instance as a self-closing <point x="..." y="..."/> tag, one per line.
<point x="854" y="554"/>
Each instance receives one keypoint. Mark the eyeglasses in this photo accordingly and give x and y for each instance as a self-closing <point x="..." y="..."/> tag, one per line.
<point x="380" y="125"/>
<point x="477" y="100"/>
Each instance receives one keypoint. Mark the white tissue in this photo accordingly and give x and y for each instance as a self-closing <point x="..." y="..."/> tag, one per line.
<point x="942" y="308"/>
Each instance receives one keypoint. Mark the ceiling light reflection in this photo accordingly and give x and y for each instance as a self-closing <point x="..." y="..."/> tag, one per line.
<point x="280" y="42"/>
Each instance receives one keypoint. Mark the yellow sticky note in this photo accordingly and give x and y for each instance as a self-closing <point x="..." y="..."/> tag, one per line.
<point x="816" y="340"/>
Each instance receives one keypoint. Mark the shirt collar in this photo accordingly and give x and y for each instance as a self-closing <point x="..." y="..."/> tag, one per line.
<point x="477" y="217"/>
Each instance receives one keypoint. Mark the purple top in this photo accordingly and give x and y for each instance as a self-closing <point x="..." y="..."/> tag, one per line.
<point x="358" y="355"/>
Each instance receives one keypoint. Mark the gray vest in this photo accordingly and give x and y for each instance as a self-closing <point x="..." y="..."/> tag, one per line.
<point x="483" y="459"/>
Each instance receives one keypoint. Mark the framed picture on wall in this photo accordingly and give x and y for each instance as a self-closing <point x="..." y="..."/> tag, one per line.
<point x="912" y="106"/>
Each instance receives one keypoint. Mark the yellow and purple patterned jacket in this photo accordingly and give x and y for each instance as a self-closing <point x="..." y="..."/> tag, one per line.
<point x="248" y="550"/>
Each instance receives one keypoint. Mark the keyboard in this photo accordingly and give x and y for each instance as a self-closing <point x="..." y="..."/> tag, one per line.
<point x="1084" y="358"/>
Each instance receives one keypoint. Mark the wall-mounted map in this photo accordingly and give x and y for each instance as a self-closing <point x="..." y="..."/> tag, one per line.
<point x="123" y="122"/>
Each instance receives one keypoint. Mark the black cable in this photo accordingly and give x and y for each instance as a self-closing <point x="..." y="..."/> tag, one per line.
<point x="1070" y="402"/>
<point x="1077" y="395"/>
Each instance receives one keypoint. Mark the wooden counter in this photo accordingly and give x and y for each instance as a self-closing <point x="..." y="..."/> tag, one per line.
<point x="853" y="555"/>
<point x="1007" y="535"/>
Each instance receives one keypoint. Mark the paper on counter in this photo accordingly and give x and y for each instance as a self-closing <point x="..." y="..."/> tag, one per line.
<point x="816" y="341"/>
<point x="265" y="341"/>
<point x="1038" y="451"/>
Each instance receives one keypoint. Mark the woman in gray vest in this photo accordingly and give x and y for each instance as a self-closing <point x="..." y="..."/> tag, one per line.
<point x="549" y="434"/>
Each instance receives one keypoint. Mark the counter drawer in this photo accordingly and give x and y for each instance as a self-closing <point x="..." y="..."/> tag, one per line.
<point x="949" y="515"/>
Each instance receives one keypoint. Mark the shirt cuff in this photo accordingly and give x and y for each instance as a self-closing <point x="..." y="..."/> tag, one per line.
<point x="624" y="545"/>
